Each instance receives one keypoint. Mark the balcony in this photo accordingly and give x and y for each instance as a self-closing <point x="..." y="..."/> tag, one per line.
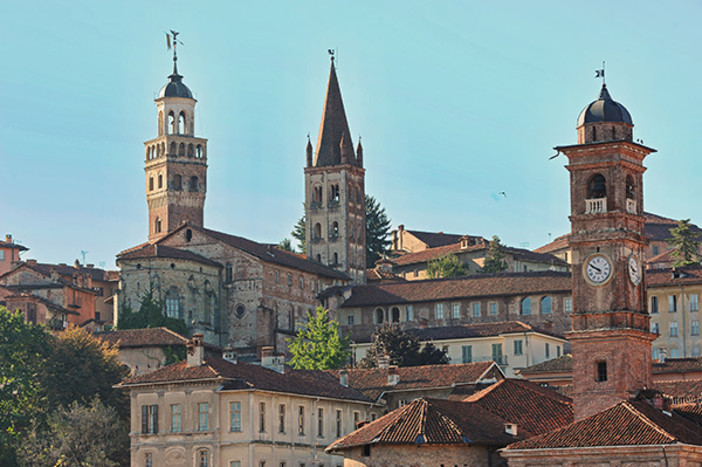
<point x="595" y="206"/>
<point x="631" y="206"/>
<point x="56" y="324"/>
<point x="315" y="204"/>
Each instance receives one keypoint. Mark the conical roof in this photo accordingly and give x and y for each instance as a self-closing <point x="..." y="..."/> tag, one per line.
<point x="334" y="125"/>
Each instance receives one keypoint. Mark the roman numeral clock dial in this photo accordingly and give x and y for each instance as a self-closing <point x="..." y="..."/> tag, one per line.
<point x="597" y="269"/>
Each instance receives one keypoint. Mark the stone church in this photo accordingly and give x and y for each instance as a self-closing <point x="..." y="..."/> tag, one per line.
<point x="235" y="291"/>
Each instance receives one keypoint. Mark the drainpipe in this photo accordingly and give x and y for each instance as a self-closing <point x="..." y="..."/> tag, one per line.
<point x="526" y="348"/>
<point x="684" y="335"/>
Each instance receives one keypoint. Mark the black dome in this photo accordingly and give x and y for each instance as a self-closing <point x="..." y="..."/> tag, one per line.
<point x="604" y="109"/>
<point x="175" y="88"/>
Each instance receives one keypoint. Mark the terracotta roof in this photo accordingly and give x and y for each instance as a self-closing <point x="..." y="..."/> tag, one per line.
<point x="476" y="330"/>
<point x="48" y="303"/>
<point x="373" y="382"/>
<point x="44" y="270"/>
<point x="665" y="257"/>
<point x="153" y="250"/>
<point x="381" y="275"/>
<point x="434" y="239"/>
<point x="557" y="244"/>
<point x="430" y="421"/>
<point x="625" y="424"/>
<point x="482" y="285"/>
<point x="429" y="254"/>
<point x="680" y="390"/>
<point x="691" y="411"/>
<point x="238" y="376"/>
<point x="562" y="363"/>
<point x="13" y="245"/>
<point x="675" y="365"/>
<point x="532" y="407"/>
<point x="674" y="276"/>
<point x="152" y="337"/>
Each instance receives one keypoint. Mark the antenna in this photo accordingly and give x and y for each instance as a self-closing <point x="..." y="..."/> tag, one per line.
<point x="82" y="254"/>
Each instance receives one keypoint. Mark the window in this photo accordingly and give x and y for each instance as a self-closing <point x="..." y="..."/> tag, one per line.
<point x="547" y="350"/>
<point x="338" y="423"/>
<point x="356" y="418"/>
<point x="193" y="183"/>
<point x="656" y="354"/>
<point x="526" y="306"/>
<point x="148" y="459"/>
<point x="695" y="328"/>
<point x="204" y="458"/>
<point x="228" y="273"/>
<point x="655" y="249"/>
<point x="379" y="315"/>
<point x="476" y="310"/>
<point x="601" y="371"/>
<point x="175" y="418"/>
<point x="151" y="183"/>
<point x="149" y="418"/>
<point x="456" y="311"/>
<point x="349" y="320"/>
<point x="235" y="464"/>
<point x="235" y="416"/>
<point x="282" y="464"/>
<point x="262" y="417"/>
<point x="674" y="353"/>
<point x="289" y="279"/>
<point x="177" y="182"/>
<point x="493" y="309"/>
<point x="439" y="311"/>
<point x="410" y="313"/>
<point x="277" y="277"/>
<point x="281" y="418"/>
<point x="395" y="315"/>
<point x="497" y="353"/>
<point x="546" y="306"/>
<point x="320" y="422"/>
<point x="157" y="225"/>
<point x="518" y="350"/>
<point x="672" y="303"/>
<point x="654" y="305"/>
<point x="568" y="305"/>
<point x="203" y="416"/>
<point x="374" y="416"/>
<point x="654" y="328"/>
<point x="173" y="303"/>
<point x="302" y="282"/>
<point x="467" y="354"/>
<point x="673" y="328"/>
<point x="301" y="421"/>
<point x="558" y="351"/>
<point x="262" y="464"/>
<point x="694" y="302"/>
<point x="160" y="180"/>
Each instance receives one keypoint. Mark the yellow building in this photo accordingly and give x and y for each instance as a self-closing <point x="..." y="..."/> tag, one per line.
<point x="208" y="411"/>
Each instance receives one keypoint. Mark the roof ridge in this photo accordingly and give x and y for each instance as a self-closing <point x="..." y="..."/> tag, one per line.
<point x="627" y="405"/>
<point x="450" y="421"/>
<point x="475" y="397"/>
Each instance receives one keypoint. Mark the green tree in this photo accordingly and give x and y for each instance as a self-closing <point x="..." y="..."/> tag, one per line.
<point x="150" y="315"/>
<point x="446" y="266"/>
<point x="299" y="233"/>
<point x="685" y="244"/>
<point x="377" y="231"/>
<point x="23" y="349"/>
<point x="78" y="435"/>
<point x="318" y="344"/>
<point x="285" y="245"/>
<point x="402" y="348"/>
<point x="495" y="260"/>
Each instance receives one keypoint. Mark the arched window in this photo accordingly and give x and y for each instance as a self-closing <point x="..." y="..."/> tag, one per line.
<point x="630" y="190"/>
<point x="177" y="182"/>
<point x="526" y="306"/>
<point x="191" y="150"/>
<point x="193" y="183"/>
<point x="181" y="149"/>
<point x="546" y="306"/>
<point x="181" y="123"/>
<point x="335" y="230"/>
<point x="614" y="133"/>
<point x="601" y="371"/>
<point x="228" y="273"/>
<point x="172" y="148"/>
<point x="597" y="187"/>
<point x="171" y="123"/>
<point x="318" y="230"/>
<point x="594" y="134"/>
<point x="151" y="183"/>
<point x="379" y="316"/>
<point x="188" y="235"/>
<point x="395" y="315"/>
<point x="317" y="194"/>
<point x="198" y="151"/>
<point x="157" y="225"/>
<point x="160" y="124"/>
<point x="173" y="303"/>
<point x="160" y="181"/>
<point x="334" y="194"/>
<point x="335" y="259"/>
<point x="319" y="258"/>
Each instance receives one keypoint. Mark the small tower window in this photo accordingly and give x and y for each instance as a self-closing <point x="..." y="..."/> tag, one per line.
<point x="193" y="183"/>
<point x="319" y="258"/>
<point x="228" y="275"/>
<point x="318" y="230"/>
<point x="597" y="188"/>
<point x="379" y="315"/>
<point x="335" y="259"/>
<point x="172" y="148"/>
<point x="151" y="183"/>
<point x="191" y="150"/>
<point x="601" y="371"/>
<point x="335" y="230"/>
<point x="181" y="123"/>
<point x="157" y="225"/>
<point x="171" y="123"/>
<point x="160" y="181"/>
<point x="334" y="193"/>
<point x="198" y="151"/>
<point x="630" y="190"/>
<point x="181" y="149"/>
<point x="177" y="182"/>
<point x="317" y="194"/>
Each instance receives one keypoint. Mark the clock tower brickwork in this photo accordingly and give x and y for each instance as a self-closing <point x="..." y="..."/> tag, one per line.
<point x="611" y="338"/>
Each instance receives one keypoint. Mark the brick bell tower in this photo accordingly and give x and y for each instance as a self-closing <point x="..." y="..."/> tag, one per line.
<point x="611" y="338"/>
<point x="176" y="160"/>
<point x="335" y="192"/>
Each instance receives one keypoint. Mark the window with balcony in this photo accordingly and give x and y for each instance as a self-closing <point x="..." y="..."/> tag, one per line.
<point x="596" y="201"/>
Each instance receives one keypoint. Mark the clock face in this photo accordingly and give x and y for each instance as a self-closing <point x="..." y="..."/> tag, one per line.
<point x="634" y="270"/>
<point x="598" y="269"/>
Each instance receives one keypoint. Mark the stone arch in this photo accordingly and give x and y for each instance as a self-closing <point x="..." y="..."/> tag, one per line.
<point x="318" y="230"/>
<point x="181" y="149"/>
<point x="172" y="148"/>
<point x="193" y="183"/>
<point x="157" y="225"/>
<point x="525" y="308"/>
<point x="545" y="306"/>
<point x="379" y="315"/>
<point x="181" y="123"/>
<point x="171" y="123"/>
<point x="395" y="315"/>
<point x="597" y="187"/>
<point x="191" y="150"/>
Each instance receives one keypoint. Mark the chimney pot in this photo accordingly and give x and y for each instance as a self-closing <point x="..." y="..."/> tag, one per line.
<point x="196" y="350"/>
<point x="8" y="238"/>
<point x="229" y="354"/>
<point x="511" y="429"/>
<point x="393" y="376"/>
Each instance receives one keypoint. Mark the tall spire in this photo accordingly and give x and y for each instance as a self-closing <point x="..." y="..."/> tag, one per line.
<point x="334" y="125"/>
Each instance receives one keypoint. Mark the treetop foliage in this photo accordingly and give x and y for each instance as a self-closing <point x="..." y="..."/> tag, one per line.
<point x="403" y="349"/>
<point x="495" y="260"/>
<point x="318" y="344"/>
<point x="446" y="266"/>
<point x="685" y="244"/>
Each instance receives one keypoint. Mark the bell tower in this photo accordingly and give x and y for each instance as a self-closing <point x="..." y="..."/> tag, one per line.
<point x="176" y="160"/>
<point x="335" y="192"/>
<point x="611" y="338"/>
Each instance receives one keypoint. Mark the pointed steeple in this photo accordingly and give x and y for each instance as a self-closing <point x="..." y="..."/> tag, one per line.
<point x="309" y="151"/>
<point x="334" y="125"/>
<point x="359" y="153"/>
<point x="604" y="94"/>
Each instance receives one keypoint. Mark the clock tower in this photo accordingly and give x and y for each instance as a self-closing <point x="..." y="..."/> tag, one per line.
<point x="611" y="338"/>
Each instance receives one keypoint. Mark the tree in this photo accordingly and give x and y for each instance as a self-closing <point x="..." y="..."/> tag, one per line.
<point x="318" y="344"/>
<point x="78" y="435"/>
<point x="150" y="315"/>
<point x="377" y="231"/>
<point x="285" y="245"/>
<point x="23" y="349"/>
<point x="403" y="349"/>
<point x="495" y="260"/>
<point x="446" y="266"/>
<point x="299" y="233"/>
<point x="685" y="244"/>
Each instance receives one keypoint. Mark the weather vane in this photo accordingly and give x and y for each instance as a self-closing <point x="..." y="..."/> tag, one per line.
<point x="331" y="53"/>
<point x="173" y="42"/>
<point x="600" y="73"/>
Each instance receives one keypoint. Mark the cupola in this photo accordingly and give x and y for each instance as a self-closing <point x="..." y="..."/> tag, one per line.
<point x="604" y="120"/>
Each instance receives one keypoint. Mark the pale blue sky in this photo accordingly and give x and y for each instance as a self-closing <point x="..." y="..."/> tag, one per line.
<point x="455" y="101"/>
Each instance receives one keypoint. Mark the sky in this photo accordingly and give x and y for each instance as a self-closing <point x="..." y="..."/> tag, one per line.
<point x="455" y="101"/>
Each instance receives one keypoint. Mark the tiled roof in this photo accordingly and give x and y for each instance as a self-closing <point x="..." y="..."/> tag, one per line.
<point x="45" y="271"/>
<point x="483" y="285"/>
<point x="625" y="424"/>
<point x="533" y="408"/>
<point x="374" y="381"/>
<point x="428" y="254"/>
<point x="13" y="245"/>
<point x="562" y="363"/>
<point x="680" y="390"/>
<point x="248" y="376"/>
<point x="153" y="250"/>
<point x="380" y="275"/>
<point x="48" y="303"/>
<point x="557" y="244"/>
<point x="475" y="330"/>
<point x="152" y="337"/>
<point x="434" y="239"/>
<point x="691" y="411"/>
<point x="674" y="276"/>
<point x="665" y="257"/>
<point x="430" y="421"/>
<point x="675" y="365"/>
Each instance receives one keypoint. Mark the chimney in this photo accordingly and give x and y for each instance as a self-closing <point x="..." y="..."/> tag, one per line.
<point x="344" y="378"/>
<point x="32" y="262"/>
<point x="270" y="360"/>
<point x="196" y="350"/>
<point x="657" y="402"/>
<point x="90" y="266"/>
<point x="229" y="354"/>
<point x="383" y="360"/>
<point x="76" y="264"/>
<point x="511" y="429"/>
<point x="361" y="424"/>
<point x="8" y="238"/>
<point x="393" y="376"/>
